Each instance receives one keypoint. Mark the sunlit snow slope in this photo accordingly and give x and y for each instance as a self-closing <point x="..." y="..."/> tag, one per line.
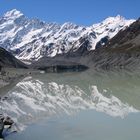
<point x="31" y="39"/>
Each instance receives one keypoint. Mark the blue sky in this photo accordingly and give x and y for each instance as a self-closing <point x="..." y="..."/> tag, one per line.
<point x="82" y="12"/>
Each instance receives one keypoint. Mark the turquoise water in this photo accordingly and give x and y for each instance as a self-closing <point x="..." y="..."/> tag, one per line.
<point x="86" y="125"/>
<point x="75" y="106"/>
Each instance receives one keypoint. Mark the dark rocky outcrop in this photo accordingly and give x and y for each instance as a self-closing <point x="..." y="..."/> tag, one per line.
<point x="5" y="121"/>
<point x="1" y="128"/>
<point x="8" y="60"/>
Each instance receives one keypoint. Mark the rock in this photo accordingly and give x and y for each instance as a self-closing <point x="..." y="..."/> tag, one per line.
<point x="5" y="124"/>
<point x="1" y="128"/>
<point x="8" y="121"/>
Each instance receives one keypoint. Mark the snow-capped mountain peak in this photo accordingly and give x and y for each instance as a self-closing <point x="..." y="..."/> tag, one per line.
<point x="13" y="14"/>
<point x="31" y="39"/>
<point x="112" y="19"/>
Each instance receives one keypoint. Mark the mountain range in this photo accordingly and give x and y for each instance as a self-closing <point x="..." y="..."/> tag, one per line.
<point x="31" y="39"/>
<point x="45" y="44"/>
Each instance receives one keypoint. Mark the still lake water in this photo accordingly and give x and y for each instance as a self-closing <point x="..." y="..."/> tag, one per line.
<point x="75" y="106"/>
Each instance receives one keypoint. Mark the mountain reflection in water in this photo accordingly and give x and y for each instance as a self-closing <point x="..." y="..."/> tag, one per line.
<point x="45" y="95"/>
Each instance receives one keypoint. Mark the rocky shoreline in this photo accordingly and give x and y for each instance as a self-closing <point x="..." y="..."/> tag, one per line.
<point x="5" y="124"/>
<point x="9" y="77"/>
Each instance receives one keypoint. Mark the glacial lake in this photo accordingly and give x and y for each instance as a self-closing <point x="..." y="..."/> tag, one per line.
<point x="74" y="106"/>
